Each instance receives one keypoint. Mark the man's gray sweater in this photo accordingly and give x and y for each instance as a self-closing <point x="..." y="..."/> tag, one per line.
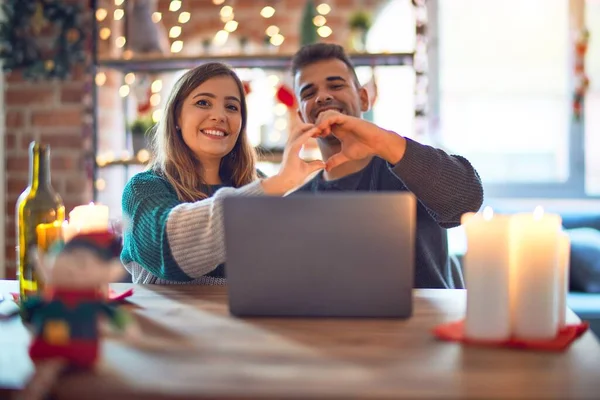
<point x="446" y="187"/>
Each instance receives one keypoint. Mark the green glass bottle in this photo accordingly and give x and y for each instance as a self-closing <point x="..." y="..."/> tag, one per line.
<point x="38" y="204"/>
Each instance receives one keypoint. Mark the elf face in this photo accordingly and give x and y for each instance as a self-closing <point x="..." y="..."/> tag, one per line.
<point x="328" y="85"/>
<point x="81" y="268"/>
<point x="211" y="118"/>
<point x="87" y="261"/>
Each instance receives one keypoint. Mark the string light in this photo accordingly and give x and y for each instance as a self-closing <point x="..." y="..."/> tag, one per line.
<point x="156" y="86"/>
<point x="227" y="18"/>
<point x="101" y="14"/>
<point x="130" y="78"/>
<point x="319" y="20"/>
<point x="101" y="160"/>
<point x="175" y="5"/>
<point x="176" y="46"/>
<point x="143" y="155"/>
<point x="127" y="54"/>
<point x="280" y="124"/>
<point x="280" y="109"/>
<point x="100" y="184"/>
<point x="323" y="8"/>
<point x="124" y="91"/>
<point x="104" y="33"/>
<point x="221" y="37"/>
<point x="100" y="78"/>
<point x="267" y="12"/>
<point x="119" y="13"/>
<point x="324" y="31"/>
<point x="218" y="2"/>
<point x="277" y="40"/>
<point x="184" y="17"/>
<point x="120" y="42"/>
<point x="156" y="17"/>
<point x="174" y="32"/>
<point x="118" y="2"/>
<point x="109" y="156"/>
<point x="155" y="99"/>
<point x="272" y="30"/>
<point x="231" y="26"/>
<point x="226" y="11"/>
<point x="156" y="115"/>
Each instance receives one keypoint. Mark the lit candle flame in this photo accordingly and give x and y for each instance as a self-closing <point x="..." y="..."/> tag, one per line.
<point x="538" y="213"/>
<point x="488" y="213"/>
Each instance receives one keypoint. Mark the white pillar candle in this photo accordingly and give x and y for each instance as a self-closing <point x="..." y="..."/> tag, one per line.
<point x="68" y="231"/>
<point x="534" y="274"/>
<point x="564" y="255"/>
<point x="487" y="276"/>
<point x="89" y="218"/>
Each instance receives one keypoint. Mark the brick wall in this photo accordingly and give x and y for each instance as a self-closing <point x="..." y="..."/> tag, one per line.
<point x="57" y="113"/>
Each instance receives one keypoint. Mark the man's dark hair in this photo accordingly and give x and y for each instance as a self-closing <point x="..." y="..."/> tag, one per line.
<point x="312" y="53"/>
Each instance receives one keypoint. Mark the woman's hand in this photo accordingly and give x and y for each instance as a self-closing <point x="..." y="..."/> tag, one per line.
<point x="294" y="170"/>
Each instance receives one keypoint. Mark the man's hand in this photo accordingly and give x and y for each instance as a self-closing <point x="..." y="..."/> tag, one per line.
<point x="359" y="138"/>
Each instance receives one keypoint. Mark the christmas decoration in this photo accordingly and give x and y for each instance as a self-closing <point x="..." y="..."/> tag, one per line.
<point x="247" y="87"/>
<point x="64" y="320"/>
<point x="141" y="132"/>
<point x="581" y="80"/>
<point x="142" y="90"/>
<point x="146" y="36"/>
<point x="359" y="23"/>
<point x="286" y="96"/>
<point x="308" y="30"/>
<point x="44" y="38"/>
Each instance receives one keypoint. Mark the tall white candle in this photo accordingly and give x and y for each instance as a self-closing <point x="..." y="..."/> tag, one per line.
<point x="89" y="218"/>
<point x="487" y="275"/>
<point x="534" y="274"/>
<point x="564" y="255"/>
<point x="68" y="231"/>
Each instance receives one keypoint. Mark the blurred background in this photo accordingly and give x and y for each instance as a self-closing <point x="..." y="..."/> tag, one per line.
<point x="512" y="85"/>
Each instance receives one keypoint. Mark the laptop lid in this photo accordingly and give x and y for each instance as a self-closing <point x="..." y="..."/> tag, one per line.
<point x="325" y="255"/>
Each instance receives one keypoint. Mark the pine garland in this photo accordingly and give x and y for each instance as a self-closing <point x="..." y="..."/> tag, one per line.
<point x="43" y="38"/>
<point x="308" y="30"/>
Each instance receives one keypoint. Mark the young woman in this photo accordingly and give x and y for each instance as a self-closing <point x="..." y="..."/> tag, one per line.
<point x="174" y="231"/>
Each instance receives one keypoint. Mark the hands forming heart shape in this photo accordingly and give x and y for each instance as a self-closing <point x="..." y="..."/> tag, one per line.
<point x="359" y="138"/>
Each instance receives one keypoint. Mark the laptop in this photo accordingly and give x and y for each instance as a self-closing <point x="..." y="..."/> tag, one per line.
<point x="321" y="255"/>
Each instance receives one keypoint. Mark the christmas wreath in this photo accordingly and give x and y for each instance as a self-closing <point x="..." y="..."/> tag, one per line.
<point x="44" y="38"/>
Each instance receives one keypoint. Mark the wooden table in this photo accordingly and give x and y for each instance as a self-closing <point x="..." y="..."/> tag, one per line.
<point x="193" y="348"/>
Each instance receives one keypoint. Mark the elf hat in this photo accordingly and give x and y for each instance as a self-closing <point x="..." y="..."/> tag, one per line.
<point x="104" y="244"/>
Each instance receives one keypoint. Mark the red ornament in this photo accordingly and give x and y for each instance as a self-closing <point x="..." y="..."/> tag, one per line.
<point x="247" y="88"/>
<point x="144" y="105"/>
<point x="286" y="96"/>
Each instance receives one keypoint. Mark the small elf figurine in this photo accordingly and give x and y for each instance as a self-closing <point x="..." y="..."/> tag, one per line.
<point x="65" y="318"/>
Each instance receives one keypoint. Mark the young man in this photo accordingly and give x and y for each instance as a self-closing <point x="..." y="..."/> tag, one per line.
<point x="361" y="156"/>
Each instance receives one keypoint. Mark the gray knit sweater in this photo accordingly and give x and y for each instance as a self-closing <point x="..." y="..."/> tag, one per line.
<point x="446" y="187"/>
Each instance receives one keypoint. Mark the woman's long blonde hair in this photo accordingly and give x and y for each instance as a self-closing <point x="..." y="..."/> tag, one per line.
<point x="176" y="162"/>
